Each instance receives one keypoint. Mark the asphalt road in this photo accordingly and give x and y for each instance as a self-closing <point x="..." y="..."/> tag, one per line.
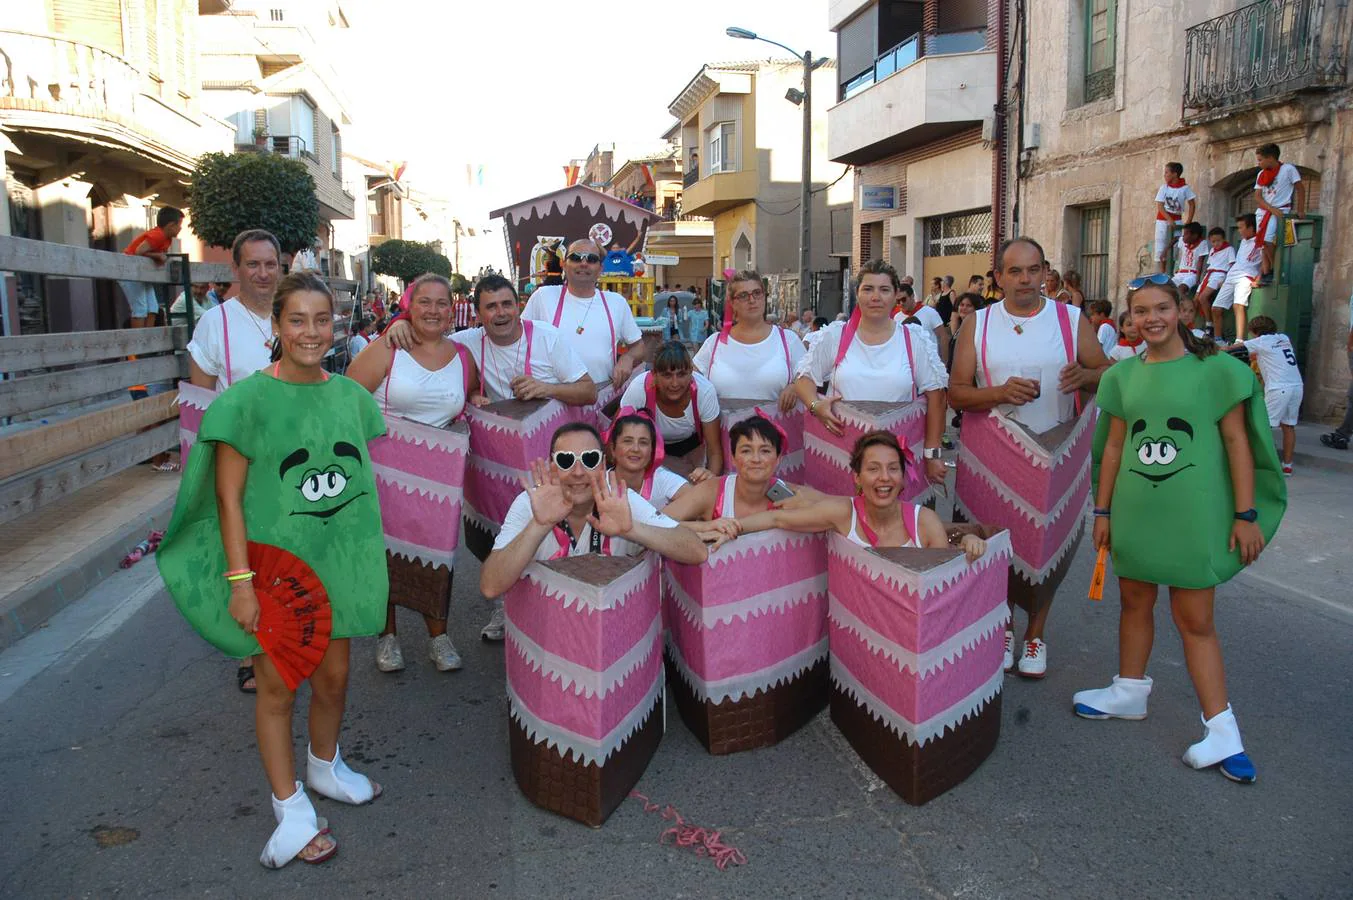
<point x="129" y="770"/>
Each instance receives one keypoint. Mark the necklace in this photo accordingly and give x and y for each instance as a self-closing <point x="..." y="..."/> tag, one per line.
<point x="267" y="338"/>
<point x="516" y="361"/>
<point x="1018" y="326"/>
<point x="587" y="312"/>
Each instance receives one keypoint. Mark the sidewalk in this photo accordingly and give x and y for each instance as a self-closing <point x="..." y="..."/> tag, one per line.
<point x="51" y="557"/>
<point x="1310" y="452"/>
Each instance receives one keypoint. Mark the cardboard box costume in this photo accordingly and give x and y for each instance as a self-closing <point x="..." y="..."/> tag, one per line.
<point x="828" y="455"/>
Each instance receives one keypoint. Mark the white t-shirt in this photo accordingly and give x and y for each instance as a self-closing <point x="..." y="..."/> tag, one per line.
<point x="878" y="372"/>
<point x="683" y="427"/>
<point x="519" y="516"/>
<point x="594" y="345"/>
<point x="927" y="316"/>
<point x="249" y="348"/>
<point x="1190" y="259"/>
<point x="1219" y="262"/>
<point x="751" y="371"/>
<point x="811" y="338"/>
<point x="1249" y="257"/>
<point x="356" y="344"/>
<point x="1038" y="345"/>
<point x="1121" y="352"/>
<point x="431" y="396"/>
<point x="1175" y="199"/>
<point x="666" y="483"/>
<point x="1107" y="336"/>
<point x="1277" y="360"/>
<point x="551" y="359"/>
<point x="1279" y="193"/>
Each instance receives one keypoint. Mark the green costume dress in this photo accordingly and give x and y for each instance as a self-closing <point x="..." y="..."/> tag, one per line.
<point x="310" y="490"/>
<point x="1173" y="507"/>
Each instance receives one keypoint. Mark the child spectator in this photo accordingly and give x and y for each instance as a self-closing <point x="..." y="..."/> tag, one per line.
<point x="1240" y="279"/>
<point x="1188" y="314"/>
<point x="1219" y="259"/>
<point x="1175" y="200"/>
<point x="1190" y="251"/>
<point x="1282" y="381"/>
<point x="1275" y="189"/>
<point x="154" y="244"/>
<point x="1130" y="343"/>
<point x="1101" y="319"/>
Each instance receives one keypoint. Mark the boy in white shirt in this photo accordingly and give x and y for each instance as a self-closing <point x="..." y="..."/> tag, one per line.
<point x="1190" y="251"/>
<point x="1241" y="278"/>
<point x="1220" y="256"/>
<point x="1283" y="389"/>
<point x="1275" y="190"/>
<point x="927" y="317"/>
<point x="1175" y="202"/>
<point x="1101" y="319"/>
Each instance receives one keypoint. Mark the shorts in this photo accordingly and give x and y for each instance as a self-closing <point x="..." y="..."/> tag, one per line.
<point x="1164" y="231"/>
<point x="1234" y="293"/>
<point x="1284" y="404"/>
<point x="1214" y="280"/>
<point x="1271" y="230"/>
<point x="1186" y="279"/>
<point x="141" y="298"/>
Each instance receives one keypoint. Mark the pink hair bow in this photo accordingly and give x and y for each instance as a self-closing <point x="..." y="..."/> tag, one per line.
<point x="784" y="436"/>
<point x="659" y="450"/>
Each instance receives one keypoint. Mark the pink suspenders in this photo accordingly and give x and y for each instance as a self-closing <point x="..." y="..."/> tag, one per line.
<point x="601" y="295"/>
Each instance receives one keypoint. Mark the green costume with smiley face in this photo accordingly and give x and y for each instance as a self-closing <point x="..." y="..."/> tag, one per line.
<point x="1173" y="507"/>
<point x="310" y="490"/>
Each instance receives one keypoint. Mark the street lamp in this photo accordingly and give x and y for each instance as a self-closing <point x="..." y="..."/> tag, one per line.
<point x="803" y="99"/>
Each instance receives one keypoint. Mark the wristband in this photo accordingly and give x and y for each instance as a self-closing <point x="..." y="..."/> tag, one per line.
<point x="1101" y="511"/>
<point x="239" y="576"/>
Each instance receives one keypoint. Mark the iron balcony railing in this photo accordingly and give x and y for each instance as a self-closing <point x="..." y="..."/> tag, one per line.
<point x="691" y="177"/>
<point x="1264" y="50"/>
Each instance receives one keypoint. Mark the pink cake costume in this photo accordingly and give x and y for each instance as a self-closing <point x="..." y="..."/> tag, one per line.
<point x="916" y="639"/>
<point x="584" y="680"/>
<point x="193" y="402"/>
<point x="1034" y="484"/>
<point x="747" y="639"/>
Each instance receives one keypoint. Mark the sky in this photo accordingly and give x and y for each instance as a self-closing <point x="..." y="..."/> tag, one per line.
<point x="520" y="87"/>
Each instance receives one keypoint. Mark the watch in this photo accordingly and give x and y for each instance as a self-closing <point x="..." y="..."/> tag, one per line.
<point x="1249" y="515"/>
<point x="933" y="453"/>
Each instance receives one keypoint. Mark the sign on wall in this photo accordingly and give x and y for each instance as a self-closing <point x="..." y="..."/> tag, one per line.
<point x="878" y="196"/>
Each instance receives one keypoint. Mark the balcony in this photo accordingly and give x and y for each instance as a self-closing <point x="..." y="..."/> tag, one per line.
<point x="718" y="193"/>
<point x="910" y="100"/>
<point x="690" y="178"/>
<point x="1262" y="52"/>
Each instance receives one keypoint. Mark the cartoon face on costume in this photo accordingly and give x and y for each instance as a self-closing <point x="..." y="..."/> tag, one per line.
<point x="321" y="488"/>
<point x="1161" y="454"/>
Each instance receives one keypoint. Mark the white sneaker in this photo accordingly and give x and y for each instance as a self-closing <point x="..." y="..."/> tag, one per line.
<point x="389" y="658"/>
<point x="1034" y="662"/>
<point x="1125" y="698"/>
<point x="1009" y="651"/>
<point x="443" y="653"/>
<point x="494" y="630"/>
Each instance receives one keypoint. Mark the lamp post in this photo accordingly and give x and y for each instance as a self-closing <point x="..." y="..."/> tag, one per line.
<point x="805" y="100"/>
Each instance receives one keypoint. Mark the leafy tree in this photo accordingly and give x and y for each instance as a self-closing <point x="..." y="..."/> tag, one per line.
<point x="406" y="260"/>
<point x="460" y="284"/>
<point x="233" y="192"/>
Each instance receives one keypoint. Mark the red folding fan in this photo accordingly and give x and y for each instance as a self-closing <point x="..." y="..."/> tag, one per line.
<point x="294" y="619"/>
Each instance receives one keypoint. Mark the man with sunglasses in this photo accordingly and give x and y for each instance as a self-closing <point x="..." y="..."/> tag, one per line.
<point x="572" y="506"/>
<point x="590" y="319"/>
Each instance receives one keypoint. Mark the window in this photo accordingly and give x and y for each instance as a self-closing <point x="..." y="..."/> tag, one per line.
<point x="334" y="151"/>
<point x="960" y="234"/>
<point x="291" y="123"/>
<point x="1094" y="262"/>
<point x="722" y="149"/>
<point x="276" y="15"/>
<point x="1100" y="28"/>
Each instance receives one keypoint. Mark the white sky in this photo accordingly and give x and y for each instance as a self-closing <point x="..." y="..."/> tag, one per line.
<point x="523" y="86"/>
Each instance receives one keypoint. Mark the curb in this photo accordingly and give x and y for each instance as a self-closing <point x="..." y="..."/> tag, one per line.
<point x="32" y="605"/>
<point x="1324" y="461"/>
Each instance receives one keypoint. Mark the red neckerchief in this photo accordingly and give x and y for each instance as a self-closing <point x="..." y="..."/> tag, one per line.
<point x="1267" y="176"/>
<point x="1124" y="342"/>
<point x="1176" y="185"/>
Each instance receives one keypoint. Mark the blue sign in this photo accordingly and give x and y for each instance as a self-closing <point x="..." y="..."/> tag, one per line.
<point x="878" y="196"/>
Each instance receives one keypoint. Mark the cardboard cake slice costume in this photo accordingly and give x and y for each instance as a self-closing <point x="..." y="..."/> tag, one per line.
<point x="917" y="640"/>
<point x="747" y="639"/>
<point x="310" y="491"/>
<point x="828" y="455"/>
<point x="734" y="410"/>
<point x="584" y="680"/>
<point x="193" y="403"/>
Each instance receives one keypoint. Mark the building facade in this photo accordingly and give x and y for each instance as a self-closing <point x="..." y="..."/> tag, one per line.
<point x="1116" y="90"/>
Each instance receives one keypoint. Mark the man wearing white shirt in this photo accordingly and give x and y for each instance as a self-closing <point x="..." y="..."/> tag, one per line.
<point x="1240" y="279"/>
<point x="234" y="340"/>
<point x="927" y="317"/>
<point x="515" y="365"/>
<point x="592" y="320"/>
<point x="1276" y="188"/>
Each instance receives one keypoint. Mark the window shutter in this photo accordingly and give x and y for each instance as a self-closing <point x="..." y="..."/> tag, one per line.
<point x="97" y="22"/>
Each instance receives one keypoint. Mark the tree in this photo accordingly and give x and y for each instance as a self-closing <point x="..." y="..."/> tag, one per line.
<point x="406" y="260"/>
<point x="459" y="284"/>
<point x="233" y="192"/>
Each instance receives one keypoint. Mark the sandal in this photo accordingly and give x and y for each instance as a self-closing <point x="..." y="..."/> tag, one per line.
<point x="166" y="467"/>
<point x="243" y="676"/>
<point x="322" y="840"/>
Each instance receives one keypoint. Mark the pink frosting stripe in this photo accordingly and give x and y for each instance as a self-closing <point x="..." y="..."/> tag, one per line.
<point x="734" y="578"/>
<point x="583" y="635"/>
<point x="917" y="699"/>
<point x="589" y="717"/>
<point x="914" y="623"/>
<point x="1036" y="546"/>
<point x="489" y="495"/>
<point x="418" y="518"/>
<point x="829" y="475"/>
<point x="435" y="464"/>
<point x="743" y="647"/>
<point x="993" y="446"/>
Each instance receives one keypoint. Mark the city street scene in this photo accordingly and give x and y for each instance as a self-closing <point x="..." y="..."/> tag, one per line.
<point x="868" y="448"/>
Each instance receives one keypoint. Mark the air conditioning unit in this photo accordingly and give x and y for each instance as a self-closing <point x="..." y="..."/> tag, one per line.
<point x="1033" y="135"/>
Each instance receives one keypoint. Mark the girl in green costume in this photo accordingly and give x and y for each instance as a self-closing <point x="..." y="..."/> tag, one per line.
<point x="287" y="466"/>
<point x="1188" y="491"/>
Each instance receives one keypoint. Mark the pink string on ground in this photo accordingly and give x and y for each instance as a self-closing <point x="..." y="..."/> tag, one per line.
<point x="701" y="840"/>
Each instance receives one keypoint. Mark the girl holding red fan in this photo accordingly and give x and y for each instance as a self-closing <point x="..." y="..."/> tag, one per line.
<point x="275" y="550"/>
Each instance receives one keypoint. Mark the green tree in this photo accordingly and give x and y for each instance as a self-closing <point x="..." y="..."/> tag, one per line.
<point x="460" y="284"/>
<point x="406" y="260"/>
<point x="233" y="192"/>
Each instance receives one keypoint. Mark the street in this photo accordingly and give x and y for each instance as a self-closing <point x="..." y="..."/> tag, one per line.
<point x="130" y="769"/>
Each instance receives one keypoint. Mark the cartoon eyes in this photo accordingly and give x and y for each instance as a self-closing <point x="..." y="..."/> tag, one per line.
<point x="1157" y="453"/>
<point x="318" y="485"/>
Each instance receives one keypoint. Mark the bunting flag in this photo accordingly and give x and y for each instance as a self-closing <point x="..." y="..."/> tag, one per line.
<point x="571" y="175"/>
<point x="396" y="169"/>
<point x="648" y="176"/>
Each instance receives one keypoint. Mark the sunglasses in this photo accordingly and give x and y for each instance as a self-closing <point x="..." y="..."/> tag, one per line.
<point x="1139" y="283"/>
<point x="564" y="459"/>
<point x="583" y="257"/>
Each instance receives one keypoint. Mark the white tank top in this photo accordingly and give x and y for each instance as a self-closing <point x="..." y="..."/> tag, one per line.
<point x="854" y="534"/>
<point x="1003" y="353"/>
<point x="430" y="397"/>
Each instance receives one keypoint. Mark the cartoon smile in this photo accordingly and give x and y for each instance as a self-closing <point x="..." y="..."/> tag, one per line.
<point x="325" y="513"/>
<point x="318" y="485"/>
<point x="1164" y="476"/>
<point x="1162" y="452"/>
